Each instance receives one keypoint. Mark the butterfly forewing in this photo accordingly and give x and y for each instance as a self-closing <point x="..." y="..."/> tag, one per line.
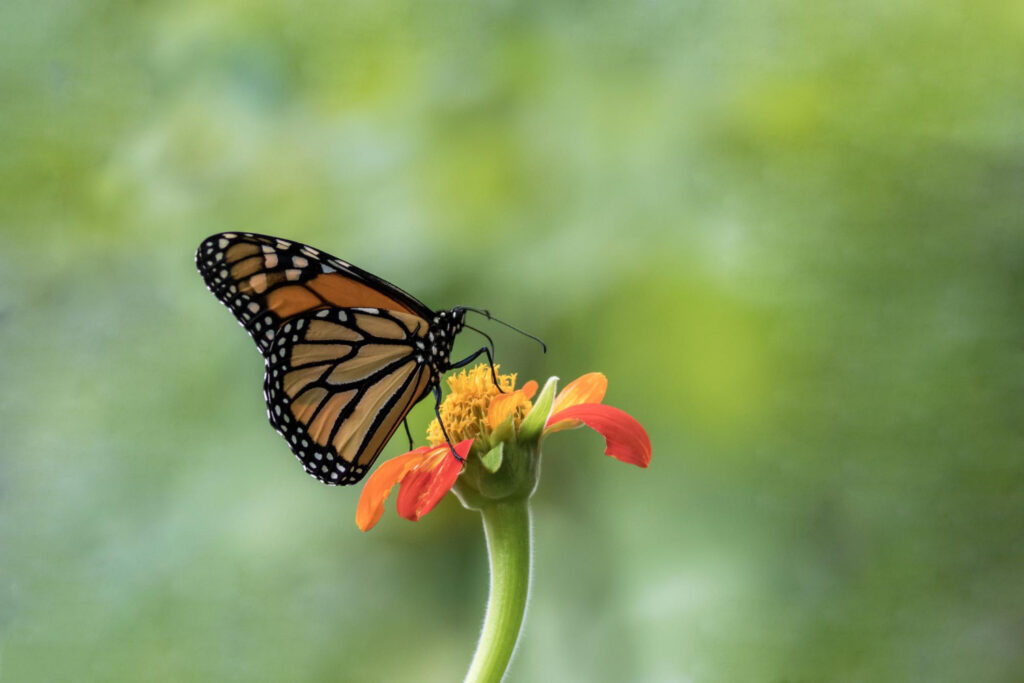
<point x="266" y="280"/>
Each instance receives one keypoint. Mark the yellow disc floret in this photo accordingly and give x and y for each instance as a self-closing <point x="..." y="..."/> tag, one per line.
<point x="465" y="409"/>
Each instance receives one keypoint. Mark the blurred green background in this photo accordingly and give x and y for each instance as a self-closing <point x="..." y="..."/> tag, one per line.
<point x="790" y="233"/>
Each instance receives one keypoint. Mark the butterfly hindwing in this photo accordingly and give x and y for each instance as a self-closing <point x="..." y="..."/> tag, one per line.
<point x="340" y="381"/>
<point x="265" y="281"/>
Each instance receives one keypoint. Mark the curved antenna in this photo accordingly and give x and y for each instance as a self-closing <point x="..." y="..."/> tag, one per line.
<point x="490" y="356"/>
<point x="487" y="314"/>
<point x="486" y="336"/>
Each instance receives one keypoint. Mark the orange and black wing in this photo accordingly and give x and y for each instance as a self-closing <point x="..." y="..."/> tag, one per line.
<point x="266" y="281"/>
<point x="340" y="381"/>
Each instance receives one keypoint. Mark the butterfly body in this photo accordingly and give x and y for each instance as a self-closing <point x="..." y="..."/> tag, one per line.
<point x="347" y="354"/>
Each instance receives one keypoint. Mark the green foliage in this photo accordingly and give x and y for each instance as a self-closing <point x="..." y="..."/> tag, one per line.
<point x="789" y="233"/>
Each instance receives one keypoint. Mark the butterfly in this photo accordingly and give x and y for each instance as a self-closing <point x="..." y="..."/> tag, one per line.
<point x="347" y="354"/>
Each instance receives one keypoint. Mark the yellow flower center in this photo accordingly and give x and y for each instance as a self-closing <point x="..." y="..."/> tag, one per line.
<point x="464" y="409"/>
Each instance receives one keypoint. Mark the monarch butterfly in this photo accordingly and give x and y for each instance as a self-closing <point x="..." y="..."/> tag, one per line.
<point x="347" y="354"/>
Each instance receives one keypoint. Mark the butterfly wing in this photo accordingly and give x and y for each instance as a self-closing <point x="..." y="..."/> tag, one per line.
<point x="340" y="381"/>
<point x="265" y="281"/>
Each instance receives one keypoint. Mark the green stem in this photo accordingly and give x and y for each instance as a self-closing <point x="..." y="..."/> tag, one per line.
<point x="507" y="526"/>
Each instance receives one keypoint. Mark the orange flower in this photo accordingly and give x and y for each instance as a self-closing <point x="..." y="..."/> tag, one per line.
<point x="484" y="421"/>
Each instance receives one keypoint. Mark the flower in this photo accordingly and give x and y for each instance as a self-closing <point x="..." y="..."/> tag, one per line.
<point x="498" y="434"/>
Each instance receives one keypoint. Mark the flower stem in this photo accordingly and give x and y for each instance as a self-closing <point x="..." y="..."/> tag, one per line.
<point x="507" y="526"/>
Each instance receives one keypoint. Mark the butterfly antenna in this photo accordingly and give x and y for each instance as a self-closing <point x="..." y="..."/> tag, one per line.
<point x="490" y="357"/>
<point x="487" y="314"/>
<point x="486" y="336"/>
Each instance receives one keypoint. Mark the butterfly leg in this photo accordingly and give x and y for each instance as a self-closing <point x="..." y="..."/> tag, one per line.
<point x="437" y="411"/>
<point x="405" y="422"/>
<point x="472" y="357"/>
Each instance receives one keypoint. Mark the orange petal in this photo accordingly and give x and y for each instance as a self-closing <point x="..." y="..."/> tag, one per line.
<point x="588" y="388"/>
<point x="378" y="486"/>
<point x="504" y="405"/>
<point x="425" y="486"/>
<point x="501" y="407"/>
<point x="529" y="389"/>
<point x="625" y="439"/>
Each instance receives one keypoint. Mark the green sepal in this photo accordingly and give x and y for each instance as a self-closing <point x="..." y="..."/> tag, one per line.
<point x="493" y="459"/>
<point x="481" y="446"/>
<point x="505" y="431"/>
<point x="533" y="425"/>
<point x="514" y="476"/>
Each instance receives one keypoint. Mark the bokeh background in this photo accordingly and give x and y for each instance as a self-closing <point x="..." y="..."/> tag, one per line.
<point x="790" y="233"/>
